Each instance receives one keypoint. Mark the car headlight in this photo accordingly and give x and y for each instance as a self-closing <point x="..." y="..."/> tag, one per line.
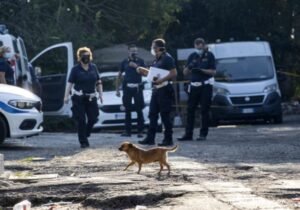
<point x="22" y="104"/>
<point x="220" y="91"/>
<point x="270" y="88"/>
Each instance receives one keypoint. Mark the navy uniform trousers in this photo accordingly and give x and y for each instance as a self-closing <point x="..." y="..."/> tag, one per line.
<point x="85" y="112"/>
<point x="199" y="95"/>
<point x="161" y="103"/>
<point x="135" y="93"/>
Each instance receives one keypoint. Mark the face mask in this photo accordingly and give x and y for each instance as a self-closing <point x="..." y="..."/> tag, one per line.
<point x="8" y="55"/>
<point x="85" y="59"/>
<point x="133" y="55"/>
<point x="153" y="51"/>
<point x="200" y="51"/>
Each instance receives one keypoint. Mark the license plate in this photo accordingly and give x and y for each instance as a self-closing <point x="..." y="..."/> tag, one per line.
<point x="120" y="116"/>
<point x="248" y="111"/>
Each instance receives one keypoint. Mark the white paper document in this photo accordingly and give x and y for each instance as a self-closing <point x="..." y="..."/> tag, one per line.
<point x="156" y="72"/>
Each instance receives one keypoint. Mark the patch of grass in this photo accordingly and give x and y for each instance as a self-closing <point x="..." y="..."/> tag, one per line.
<point x="23" y="174"/>
<point x="27" y="159"/>
<point x="59" y="124"/>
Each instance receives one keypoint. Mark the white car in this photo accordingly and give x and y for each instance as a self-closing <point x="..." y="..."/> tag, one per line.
<point x="20" y="113"/>
<point x="112" y="111"/>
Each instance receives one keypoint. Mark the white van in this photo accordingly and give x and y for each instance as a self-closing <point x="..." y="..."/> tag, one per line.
<point x="246" y="85"/>
<point x="20" y="113"/>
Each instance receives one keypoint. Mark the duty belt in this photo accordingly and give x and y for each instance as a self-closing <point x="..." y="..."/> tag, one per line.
<point x="80" y="93"/>
<point x="132" y="85"/>
<point x="206" y="82"/>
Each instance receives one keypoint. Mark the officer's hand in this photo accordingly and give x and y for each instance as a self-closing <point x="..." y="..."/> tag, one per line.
<point x="132" y="64"/>
<point x="158" y="82"/>
<point x="118" y="93"/>
<point x="101" y="99"/>
<point x="66" y="100"/>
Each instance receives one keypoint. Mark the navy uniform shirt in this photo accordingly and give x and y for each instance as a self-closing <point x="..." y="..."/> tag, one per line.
<point x="195" y="61"/>
<point x="131" y="76"/>
<point x="84" y="80"/>
<point x="8" y="70"/>
<point x="165" y="61"/>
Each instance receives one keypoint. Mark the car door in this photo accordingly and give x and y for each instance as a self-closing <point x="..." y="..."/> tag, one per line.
<point x="52" y="66"/>
<point x="24" y="77"/>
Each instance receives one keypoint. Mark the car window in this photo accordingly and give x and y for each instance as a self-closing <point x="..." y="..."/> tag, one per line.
<point x="53" y="61"/>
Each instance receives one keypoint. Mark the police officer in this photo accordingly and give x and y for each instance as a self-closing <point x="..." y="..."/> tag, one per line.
<point x="132" y="89"/>
<point x="162" y="95"/>
<point x="201" y="69"/>
<point x="6" y="71"/>
<point x="83" y="81"/>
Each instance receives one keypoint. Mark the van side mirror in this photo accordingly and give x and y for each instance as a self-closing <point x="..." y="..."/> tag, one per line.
<point x="38" y="71"/>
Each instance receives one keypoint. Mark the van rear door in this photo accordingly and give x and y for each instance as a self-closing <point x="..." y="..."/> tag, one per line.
<point x="54" y="65"/>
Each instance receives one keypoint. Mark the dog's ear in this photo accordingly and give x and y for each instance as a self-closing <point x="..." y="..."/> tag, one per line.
<point x="130" y="145"/>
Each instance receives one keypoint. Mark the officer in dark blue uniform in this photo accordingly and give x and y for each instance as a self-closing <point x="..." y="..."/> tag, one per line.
<point x="84" y="81"/>
<point x="6" y="71"/>
<point x="132" y="89"/>
<point x="201" y="69"/>
<point x="162" y="95"/>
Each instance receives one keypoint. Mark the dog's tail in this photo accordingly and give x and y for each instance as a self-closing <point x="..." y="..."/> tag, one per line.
<point x="173" y="149"/>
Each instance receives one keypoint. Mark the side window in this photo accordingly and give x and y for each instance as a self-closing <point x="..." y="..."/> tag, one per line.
<point x="18" y="63"/>
<point x="52" y="62"/>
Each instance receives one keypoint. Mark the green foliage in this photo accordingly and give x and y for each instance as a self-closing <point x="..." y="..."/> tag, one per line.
<point x="95" y="23"/>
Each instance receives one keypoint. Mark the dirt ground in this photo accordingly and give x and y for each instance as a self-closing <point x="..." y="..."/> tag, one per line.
<point x="252" y="166"/>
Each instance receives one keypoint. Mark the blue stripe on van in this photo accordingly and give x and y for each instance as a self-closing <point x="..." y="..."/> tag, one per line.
<point x="10" y="109"/>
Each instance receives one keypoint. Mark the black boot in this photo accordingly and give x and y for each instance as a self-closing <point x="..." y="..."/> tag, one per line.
<point x="166" y="143"/>
<point x="146" y="141"/>
<point x="201" y="138"/>
<point x="185" y="137"/>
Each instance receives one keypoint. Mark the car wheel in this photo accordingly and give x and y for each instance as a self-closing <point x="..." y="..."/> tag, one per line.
<point x="3" y="130"/>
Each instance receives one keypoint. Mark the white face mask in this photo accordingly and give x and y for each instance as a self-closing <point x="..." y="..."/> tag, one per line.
<point x="153" y="51"/>
<point x="200" y="51"/>
<point x="8" y="55"/>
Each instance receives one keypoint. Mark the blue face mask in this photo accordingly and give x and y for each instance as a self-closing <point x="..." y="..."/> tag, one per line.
<point x="8" y="55"/>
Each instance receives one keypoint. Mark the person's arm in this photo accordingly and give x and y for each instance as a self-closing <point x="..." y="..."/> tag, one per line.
<point x="68" y="91"/>
<point x="69" y="86"/>
<point x="187" y="70"/>
<point x="2" y="77"/>
<point x="170" y="64"/>
<point x="172" y="75"/>
<point x="211" y="71"/>
<point x="118" y="82"/>
<point x="100" y="90"/>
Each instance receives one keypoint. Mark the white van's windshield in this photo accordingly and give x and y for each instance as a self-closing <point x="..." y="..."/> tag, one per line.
<point x="244" y="69"/>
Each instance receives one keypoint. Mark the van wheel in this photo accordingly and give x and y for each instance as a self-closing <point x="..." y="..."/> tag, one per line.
<point x="214" y="122"/>
<point x="3" y="130"/>
<point x="278" y="119"/>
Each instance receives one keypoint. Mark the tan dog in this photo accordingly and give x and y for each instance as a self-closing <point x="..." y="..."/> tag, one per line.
<point x="142" y="156"/>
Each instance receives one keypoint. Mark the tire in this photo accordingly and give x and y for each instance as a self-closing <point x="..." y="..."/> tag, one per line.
<point x="214" y="122"/>
<point x="3" y="130"/>
<point x="278" y="119"/>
